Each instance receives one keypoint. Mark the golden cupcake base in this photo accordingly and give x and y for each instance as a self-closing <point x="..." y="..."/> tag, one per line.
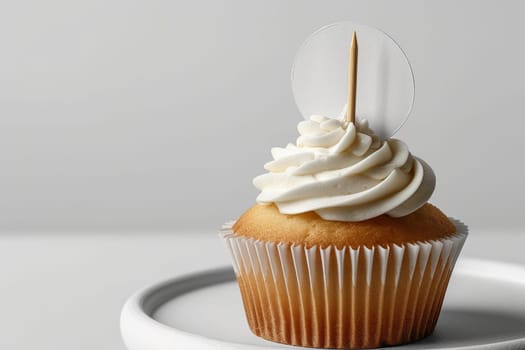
<point x="343" y="297"/>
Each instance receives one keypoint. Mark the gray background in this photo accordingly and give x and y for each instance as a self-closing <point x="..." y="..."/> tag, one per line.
<point x="156" y="115"/>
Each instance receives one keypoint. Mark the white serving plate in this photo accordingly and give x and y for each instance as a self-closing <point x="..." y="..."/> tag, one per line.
<point x="484" y="309"/>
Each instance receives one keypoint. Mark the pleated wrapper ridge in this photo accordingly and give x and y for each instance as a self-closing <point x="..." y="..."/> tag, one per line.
<point x="349" y="297"/>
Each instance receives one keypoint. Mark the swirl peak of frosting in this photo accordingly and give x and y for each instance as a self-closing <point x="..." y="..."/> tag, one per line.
<point x="344" y="172"/>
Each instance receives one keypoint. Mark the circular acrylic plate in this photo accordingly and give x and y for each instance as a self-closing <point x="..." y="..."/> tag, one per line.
<point x="484" y="309"/>
<point x="385" y="83"/>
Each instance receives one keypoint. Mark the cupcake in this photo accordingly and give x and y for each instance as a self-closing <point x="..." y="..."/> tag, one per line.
<point x="342" y="249"/>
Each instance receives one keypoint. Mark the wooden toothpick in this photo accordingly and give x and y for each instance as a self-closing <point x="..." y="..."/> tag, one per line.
<point x="352" y="80"/>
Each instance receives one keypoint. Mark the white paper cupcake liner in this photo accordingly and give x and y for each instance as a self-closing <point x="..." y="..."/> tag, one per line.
<point x="343" y="298"/>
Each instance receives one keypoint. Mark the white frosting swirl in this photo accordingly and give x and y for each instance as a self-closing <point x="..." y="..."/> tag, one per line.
<point x="344" y="173"/>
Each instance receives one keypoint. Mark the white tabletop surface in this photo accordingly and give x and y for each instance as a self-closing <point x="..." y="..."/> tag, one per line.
<point x="65" y="291"/>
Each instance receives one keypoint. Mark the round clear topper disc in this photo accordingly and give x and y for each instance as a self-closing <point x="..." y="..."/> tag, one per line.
<point x="385" y="82"/>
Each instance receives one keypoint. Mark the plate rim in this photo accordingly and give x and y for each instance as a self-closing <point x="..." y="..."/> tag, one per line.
<point x="137" y="323"/>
